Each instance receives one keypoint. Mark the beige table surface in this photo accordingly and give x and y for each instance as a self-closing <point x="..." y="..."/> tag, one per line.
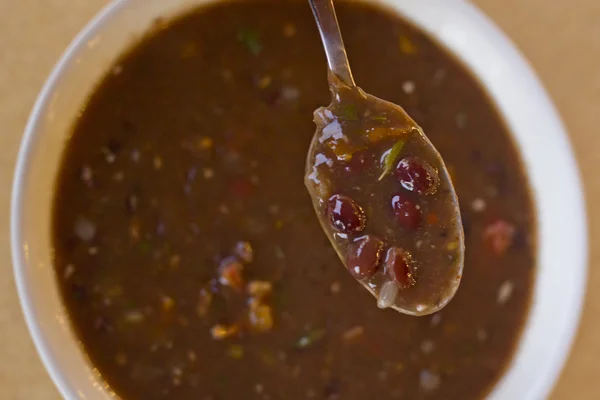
<point x="560" y="38"/>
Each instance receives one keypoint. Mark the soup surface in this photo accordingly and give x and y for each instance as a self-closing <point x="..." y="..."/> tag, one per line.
<point x="186" y="245"/>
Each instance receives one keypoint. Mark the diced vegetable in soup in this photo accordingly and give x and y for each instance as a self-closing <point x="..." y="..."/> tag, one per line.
<point x="187" y="250"/>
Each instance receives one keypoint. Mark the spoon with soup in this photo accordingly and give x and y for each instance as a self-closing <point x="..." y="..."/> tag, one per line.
<point x="381" y="191"/>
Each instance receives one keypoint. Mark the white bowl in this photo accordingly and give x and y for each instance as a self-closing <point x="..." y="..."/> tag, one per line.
<point x="537" y="129"/>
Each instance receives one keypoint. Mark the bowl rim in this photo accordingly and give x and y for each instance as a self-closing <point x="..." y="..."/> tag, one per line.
<point x="480" y="23"/>
<point x="18" y="244"/>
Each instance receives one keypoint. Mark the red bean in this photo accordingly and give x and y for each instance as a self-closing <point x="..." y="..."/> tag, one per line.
<point x="399" y="266"/>
<point x="345" y="215"/>
<point x="408" y="212"/>
<point x="364" y="256"/>
<point x="416" y="175"/>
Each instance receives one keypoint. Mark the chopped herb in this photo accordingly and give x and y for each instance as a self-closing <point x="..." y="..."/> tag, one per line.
<point x="390" y="156"/>
<point x="379" y="118"/>
<point x="222" y="381"/>
<point x="350" y="113"/>
<point x="145" y="246"/>
<point x="251" y="40"/>
<point x="310" y="338"/>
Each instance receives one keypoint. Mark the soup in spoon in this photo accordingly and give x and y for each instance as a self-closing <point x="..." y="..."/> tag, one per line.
<point x="382" y="192"/>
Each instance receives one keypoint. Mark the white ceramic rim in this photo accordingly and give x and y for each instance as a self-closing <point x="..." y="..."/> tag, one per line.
<point x="481" y="46"/>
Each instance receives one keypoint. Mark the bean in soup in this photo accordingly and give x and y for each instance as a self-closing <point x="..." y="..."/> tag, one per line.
<point x="373" y="175"/>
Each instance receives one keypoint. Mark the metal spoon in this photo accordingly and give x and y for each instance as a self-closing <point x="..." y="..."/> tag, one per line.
<point x="381" y="191"/>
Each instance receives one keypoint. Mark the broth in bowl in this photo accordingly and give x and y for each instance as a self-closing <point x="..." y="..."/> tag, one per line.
<point x="186" y="246"/>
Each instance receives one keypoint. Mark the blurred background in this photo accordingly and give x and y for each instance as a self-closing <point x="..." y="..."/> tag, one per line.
<point x="561" y="39"/>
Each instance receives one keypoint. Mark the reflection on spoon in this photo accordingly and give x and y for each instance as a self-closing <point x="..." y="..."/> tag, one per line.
<point x="382" y="192"/>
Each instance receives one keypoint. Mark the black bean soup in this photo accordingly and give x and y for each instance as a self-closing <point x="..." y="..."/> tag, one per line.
<point x="186" y="246"/>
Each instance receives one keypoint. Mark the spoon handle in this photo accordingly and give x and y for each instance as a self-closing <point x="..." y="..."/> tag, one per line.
<point x="332" y="40"/>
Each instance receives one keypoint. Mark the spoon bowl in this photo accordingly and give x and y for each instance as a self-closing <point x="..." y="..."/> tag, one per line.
<point x="382" y="192"/>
